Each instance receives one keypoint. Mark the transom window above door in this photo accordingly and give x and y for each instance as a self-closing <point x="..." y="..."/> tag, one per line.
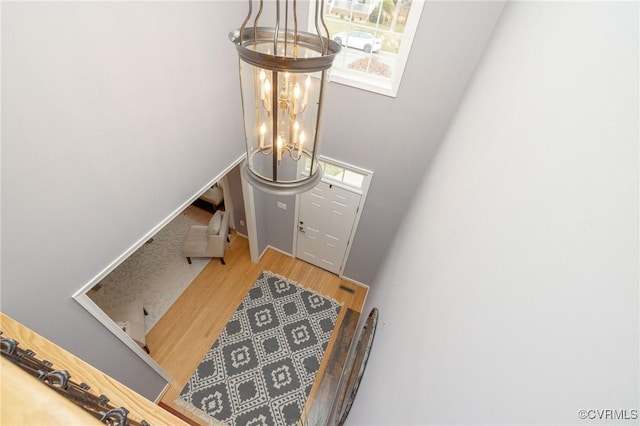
<point x="376" y="38"/>
<point x="336" y="171"/>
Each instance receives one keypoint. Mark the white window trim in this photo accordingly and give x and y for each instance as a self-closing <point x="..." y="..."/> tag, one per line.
<point x="365" y="173"/>
<point x="371" y="83"/>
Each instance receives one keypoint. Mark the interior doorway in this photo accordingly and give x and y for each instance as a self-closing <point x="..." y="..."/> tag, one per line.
<point x="82" y="297"/>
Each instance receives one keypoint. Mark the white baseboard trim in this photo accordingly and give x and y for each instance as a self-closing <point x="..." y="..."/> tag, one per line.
<point x="281" y="251"/>
<point x="358" y="283"/>
<point x="274" y="249"/>
<point x="262" y="254"/>
<point x="159" y="397"/>
<point x="351" y="280"/>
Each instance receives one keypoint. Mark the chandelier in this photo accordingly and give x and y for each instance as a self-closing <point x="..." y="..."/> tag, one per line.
<point x="282" y="79"/>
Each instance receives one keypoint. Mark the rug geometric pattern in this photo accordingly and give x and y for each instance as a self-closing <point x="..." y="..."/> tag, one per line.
<point x="262" y="367"/>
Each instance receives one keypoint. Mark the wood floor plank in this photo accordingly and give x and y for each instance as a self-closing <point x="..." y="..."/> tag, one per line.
<point x="181" y="338"/>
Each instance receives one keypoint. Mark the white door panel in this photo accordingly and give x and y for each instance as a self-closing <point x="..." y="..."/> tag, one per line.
<point x="326" y="217"/>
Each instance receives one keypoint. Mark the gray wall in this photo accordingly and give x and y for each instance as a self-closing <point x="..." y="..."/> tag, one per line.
<point x="274" y="225"/>
<point x="262" y="222"/>
<point x="397" y="137"/>
<point x="281" y="222"/>
<point x="511" y="293"/>
<point x="113" y="115"/>
<point x="235" y="186"/>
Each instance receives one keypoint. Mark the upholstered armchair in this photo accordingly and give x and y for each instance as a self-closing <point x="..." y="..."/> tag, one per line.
<point x="213" y="196"/>
<point x="208" y="241"/>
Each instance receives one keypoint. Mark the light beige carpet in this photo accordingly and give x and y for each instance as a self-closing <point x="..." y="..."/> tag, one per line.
<point x="156" y="273"/>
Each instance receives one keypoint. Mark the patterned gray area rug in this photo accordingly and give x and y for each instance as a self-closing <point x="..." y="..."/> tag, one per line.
<point x="262" y="367"/>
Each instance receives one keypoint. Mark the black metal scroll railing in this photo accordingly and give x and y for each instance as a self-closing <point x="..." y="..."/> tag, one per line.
<point x="60" y="381"/>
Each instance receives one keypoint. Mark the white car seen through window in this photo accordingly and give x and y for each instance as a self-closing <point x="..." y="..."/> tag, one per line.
<point x="359" y="40"/>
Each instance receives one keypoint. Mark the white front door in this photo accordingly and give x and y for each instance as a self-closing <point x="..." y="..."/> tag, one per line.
<point x="325" y="221"/>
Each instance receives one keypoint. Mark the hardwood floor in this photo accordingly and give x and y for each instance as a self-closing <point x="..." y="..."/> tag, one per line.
<point x="186" y="332"/>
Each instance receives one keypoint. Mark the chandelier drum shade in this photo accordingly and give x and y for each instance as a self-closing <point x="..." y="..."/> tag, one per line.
<point x="282" y="81"/>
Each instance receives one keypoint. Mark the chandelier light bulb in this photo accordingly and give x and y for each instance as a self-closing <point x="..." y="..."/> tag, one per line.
<point x="263" y="130"/>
